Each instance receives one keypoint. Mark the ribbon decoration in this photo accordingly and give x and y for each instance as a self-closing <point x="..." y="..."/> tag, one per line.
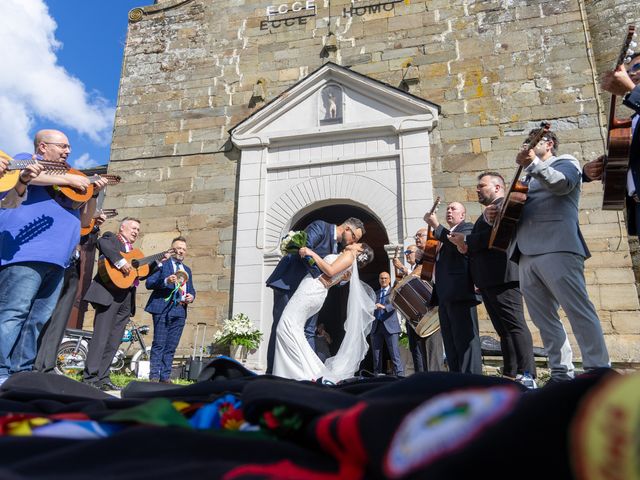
<point x="180" y="290"/>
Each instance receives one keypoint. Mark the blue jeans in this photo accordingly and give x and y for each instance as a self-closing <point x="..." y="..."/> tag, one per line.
<point x="29" y="292"/>
<point x="167" y="330"/>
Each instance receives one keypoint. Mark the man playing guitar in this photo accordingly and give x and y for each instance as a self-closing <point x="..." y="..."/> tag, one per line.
<point x="113" y="305"/>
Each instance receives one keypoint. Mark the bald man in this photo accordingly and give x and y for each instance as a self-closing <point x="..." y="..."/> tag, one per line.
<point x="455" y="294"/>
<point x="36" y="243"/>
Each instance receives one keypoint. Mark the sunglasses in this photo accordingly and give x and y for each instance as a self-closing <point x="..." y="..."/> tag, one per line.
<point x="634" y="68"/>
<point x="407" y="252"/>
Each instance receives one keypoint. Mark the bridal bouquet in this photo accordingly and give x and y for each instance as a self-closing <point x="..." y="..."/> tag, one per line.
<point x="293" y="242"/>
<point x="238" y="330"/>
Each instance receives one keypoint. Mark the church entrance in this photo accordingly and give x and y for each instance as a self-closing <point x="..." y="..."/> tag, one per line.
<point x="333" y="312"/>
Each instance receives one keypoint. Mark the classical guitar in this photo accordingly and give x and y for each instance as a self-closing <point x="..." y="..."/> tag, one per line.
<point x="108" y="212"/>
<point x="616" y="162"/>
<point x="110" y="275"/>
<point x="431" y="248"/>
<point x="504" y="226"/>
<point x="77" y="197"/>
<point x="12" y="174"/>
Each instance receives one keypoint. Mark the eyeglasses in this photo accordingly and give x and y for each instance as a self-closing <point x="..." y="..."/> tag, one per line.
<point x="634" y="68"/>
<point x="63" y="146"/>
<point x="408" y="252"/>
<point x="418" y="235"/>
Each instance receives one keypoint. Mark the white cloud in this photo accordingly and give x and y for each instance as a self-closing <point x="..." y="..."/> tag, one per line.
<point x="32" y="84"/>
<point x="85" y="161"/>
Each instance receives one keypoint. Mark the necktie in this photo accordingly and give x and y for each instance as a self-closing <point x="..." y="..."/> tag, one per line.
<point x="380" y="300"/>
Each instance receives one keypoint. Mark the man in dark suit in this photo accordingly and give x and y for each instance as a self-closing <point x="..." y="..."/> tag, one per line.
<point x="53" y="331"/>
<point x="455" y="295"/>
<point x="497" y="279"/>
<point x="168" y="306"/>
<point x="323" y="238"/>
<point x="113" y="305"/>
<point x="385" y="329"/>
<point x="624" y="82"/>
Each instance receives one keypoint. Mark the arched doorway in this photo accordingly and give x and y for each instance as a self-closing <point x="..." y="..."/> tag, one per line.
<point x="333" y="312"/>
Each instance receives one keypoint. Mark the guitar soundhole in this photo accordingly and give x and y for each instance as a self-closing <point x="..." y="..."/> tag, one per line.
<point x="135" y="263"/>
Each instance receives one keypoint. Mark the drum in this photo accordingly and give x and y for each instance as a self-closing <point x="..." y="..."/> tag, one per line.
<point x="412" y="298"/>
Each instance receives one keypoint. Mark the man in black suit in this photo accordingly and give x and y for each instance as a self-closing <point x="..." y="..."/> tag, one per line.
<point x="113" y="305"/>
<point x="497" y="279"/>
<point x="455" y="295"/>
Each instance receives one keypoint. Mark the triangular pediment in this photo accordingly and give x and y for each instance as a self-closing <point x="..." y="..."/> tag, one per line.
<point x="330" y="100"/>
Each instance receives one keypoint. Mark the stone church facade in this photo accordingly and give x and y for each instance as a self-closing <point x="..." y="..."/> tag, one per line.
<point x="238" y="120"/>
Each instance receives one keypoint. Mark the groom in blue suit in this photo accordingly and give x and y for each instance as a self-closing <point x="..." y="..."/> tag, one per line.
<point x="168" y="306"/>
<point x="323" y="238"/>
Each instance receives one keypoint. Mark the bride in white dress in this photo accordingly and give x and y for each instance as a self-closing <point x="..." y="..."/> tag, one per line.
<point x="294" y="357"/>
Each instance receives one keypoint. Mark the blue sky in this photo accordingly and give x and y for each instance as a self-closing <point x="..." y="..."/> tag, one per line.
<point x="62" y="61"/>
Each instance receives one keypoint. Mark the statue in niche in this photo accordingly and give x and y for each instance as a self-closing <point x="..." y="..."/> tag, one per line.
<point x="331" y="105"/>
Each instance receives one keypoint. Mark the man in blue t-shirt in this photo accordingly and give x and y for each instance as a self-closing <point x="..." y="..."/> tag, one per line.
<point x="36" y="242"/>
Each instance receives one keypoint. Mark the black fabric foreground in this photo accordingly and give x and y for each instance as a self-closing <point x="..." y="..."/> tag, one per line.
<point x="430" y="425"/>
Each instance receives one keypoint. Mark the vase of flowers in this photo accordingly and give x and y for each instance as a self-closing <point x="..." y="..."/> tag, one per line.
<point x="240" y="335"/>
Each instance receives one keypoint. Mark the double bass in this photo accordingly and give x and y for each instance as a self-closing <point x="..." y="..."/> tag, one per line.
<point x="619" y="133"/>
<point x="504" y="226"/>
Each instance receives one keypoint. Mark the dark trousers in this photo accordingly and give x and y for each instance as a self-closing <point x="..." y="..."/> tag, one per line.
<point x="380" y="336"/>
<point x="108" y="327"/>
<point x="459" y="327"/>
<point x="504" y="306"/>
<point x="280" y="300"/>
<point x="53" y="331"/>
<point x="167" y="330"/>
<point x="427" y="353"/>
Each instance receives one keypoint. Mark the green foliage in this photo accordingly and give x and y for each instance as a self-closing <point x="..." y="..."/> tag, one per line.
<point x="239" y="331"/>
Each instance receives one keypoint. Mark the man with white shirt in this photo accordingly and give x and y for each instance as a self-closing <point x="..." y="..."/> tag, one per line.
<point x="455" y="294"/>
<point x="168" y="305"/>
<point x="385" y="329"/>
<point x="550" y="252"/>
<point x="113" y="305"/>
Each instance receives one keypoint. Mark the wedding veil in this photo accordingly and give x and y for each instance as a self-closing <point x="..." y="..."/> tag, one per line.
<point x="354" y="346"/>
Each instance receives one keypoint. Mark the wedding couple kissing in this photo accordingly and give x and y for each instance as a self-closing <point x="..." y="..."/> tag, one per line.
<point x="300" y="283"/>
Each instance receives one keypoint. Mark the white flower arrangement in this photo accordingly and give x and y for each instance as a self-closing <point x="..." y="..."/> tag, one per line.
<point x="238" y="330"/>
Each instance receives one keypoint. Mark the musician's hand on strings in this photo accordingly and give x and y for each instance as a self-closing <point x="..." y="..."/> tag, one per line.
<point x="432" y="220"/>
<point x="99" y="184"/>
<point x="490" y="213"/>
<point x="593" y="169"/>
<point x="167" y="255"/>
<point x="617" y="82"/>
<point x="456" y="238"/>
<point x="78" y="182"/>
<point x="171" y="279"/>
<point x="525" y="157"/>
<point x="30" y="172"/>
<point x="188" y="298"/>
<point x="100" y="219"/>
<point x="4" y="164"/>
<point x="398" y="264"/>
<point x="126" y="268"/>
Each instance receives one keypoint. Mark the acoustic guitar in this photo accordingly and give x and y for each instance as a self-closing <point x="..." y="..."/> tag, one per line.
<point x="430" y="249"/>
<point x="110" y="275"/>
<point x="616" y="162"/>
<point x="108" y="212"/>
<point x="76" y="197"/>
<point x="504" y="226"/>
<point x="12" y="174"/>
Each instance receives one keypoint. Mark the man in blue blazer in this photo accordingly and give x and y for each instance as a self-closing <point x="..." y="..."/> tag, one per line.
<point x="168" y="306"/>
<point x="324" y="239"/>
<point x="385" y="328"/>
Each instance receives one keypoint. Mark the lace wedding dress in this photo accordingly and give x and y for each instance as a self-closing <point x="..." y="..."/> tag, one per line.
<point x="294" y="357"/>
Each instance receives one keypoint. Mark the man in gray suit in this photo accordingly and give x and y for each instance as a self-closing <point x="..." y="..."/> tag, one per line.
<point x="385" y="328"/>
<point x="550" y="251"/>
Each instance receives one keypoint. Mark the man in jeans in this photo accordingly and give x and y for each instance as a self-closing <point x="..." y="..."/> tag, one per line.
<point x="36" y="242"/>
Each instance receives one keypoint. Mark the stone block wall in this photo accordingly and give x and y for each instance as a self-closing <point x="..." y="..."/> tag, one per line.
<point x="191" y="71"/>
